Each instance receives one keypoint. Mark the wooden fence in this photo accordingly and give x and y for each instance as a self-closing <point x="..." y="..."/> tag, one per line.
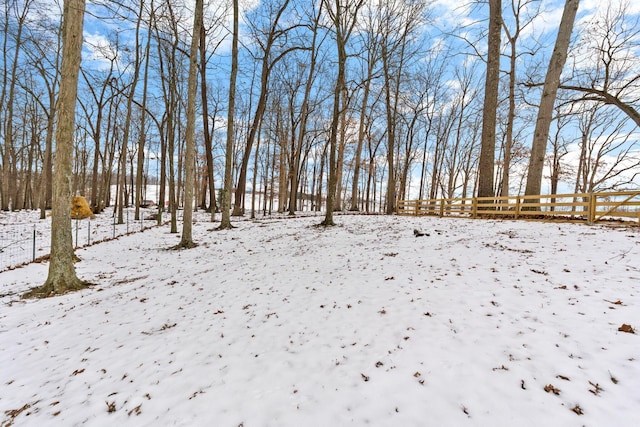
<point x="589" y="207"/>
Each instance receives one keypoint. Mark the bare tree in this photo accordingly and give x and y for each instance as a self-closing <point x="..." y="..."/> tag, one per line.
<point x="518" y="8"/>
<point x="370" y="60"/>
<point x="267" y="61"/>
<point x="399" y="21"/>
<point x="142" y="136"/>
<point x="488" y="144"/>
<point x="132" y="87"/>
<point x="8" y="98"/>
<point x="456" y="152"/>
<point x="432" y="82"/>
<point x="190" y="152"/>
<point x="607" y="70"/>
<point x="43" y="56"/>
<point x="344" y="17"/>
<point x="559" y="150"/>
<point x="547" y="101"/>
<point x="208" y="130"/>
<point x="99" y="102"/>
<point x="608" y="153"/>
<point x="299" y="142"/>
<point x="170" y="48"/>
<point x="225" y="223"/>
<point x="62" y="275"/>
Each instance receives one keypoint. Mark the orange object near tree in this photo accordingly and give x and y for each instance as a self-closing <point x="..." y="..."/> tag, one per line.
<point x="80" y="208"/>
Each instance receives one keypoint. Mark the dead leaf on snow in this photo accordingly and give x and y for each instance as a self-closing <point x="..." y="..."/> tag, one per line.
<point x="13" y="413"/>
<point x="562" y="377"/>
<point x="577" y="409"/>
<point x="135" y="410"/>
<point x="549" y="388"/>
<point x="596" y="388"/>
<point x="626" y="328"/>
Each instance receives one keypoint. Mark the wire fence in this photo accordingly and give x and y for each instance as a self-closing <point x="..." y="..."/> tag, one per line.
<point x="25" y="238"/>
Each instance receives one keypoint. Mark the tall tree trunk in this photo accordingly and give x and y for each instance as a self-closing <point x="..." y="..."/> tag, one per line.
<point x="391" y="134"/>
<point x="125" y="140"/>
<point x="46" y="187"/>
<point x="62" y="275"/>
<point x="162" y="182"/>
<point x="342" y="144"/>
<point x="549" y="91"/>
<point x="333" y="135"/>
<point x="488" y="144"/>
<point x="304" y="115"/>
<point x="205" y="123"/>
<point x="225" y="223"/>
<point x="344" y="18"/>
<point x="171" y="138"/>
<point x="362" y="126"/>
<point x="255" y="176"/>
<point x="508" y="143"/>
<point x="518" y="8"/>
<point x="190" y="149"/>
<point x="143" y="114"/>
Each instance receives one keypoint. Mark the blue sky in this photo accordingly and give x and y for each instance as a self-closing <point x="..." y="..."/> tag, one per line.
<point x="467" y="19"/>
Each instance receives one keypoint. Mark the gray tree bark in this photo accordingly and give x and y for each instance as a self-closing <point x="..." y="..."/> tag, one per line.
<point x="488" y="144"/>
<point x="190" y="149"/>
<point x="62" y="275"/>
<point x="225" y="223"/>
<point x="549" y="92"/>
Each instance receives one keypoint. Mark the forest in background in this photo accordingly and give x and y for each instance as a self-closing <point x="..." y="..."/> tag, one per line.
<point x="383" y="98"/>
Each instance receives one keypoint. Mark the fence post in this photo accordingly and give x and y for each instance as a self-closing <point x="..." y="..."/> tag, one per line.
<point x="517" y="207"/>
<point x="77" y="225"/>
<point x="474" y="211"/>
<point x="592" y="208"/>
<point x="114" y="225"/>
<point x="34" y="242"/>
<point x="89" y="232"/>
<point x="441" y="208"/>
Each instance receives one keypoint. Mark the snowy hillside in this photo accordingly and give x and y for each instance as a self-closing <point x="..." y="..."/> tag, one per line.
<point x="280" y="323"/>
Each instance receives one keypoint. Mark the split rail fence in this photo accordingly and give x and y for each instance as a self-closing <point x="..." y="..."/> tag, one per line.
<point x="588" y="207"/>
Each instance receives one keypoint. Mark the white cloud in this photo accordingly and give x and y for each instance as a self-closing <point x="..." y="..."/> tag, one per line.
<point x="99" y="50"/>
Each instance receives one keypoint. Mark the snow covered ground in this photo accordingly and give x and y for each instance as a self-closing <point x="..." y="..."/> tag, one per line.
<point x="280" y="323"/>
